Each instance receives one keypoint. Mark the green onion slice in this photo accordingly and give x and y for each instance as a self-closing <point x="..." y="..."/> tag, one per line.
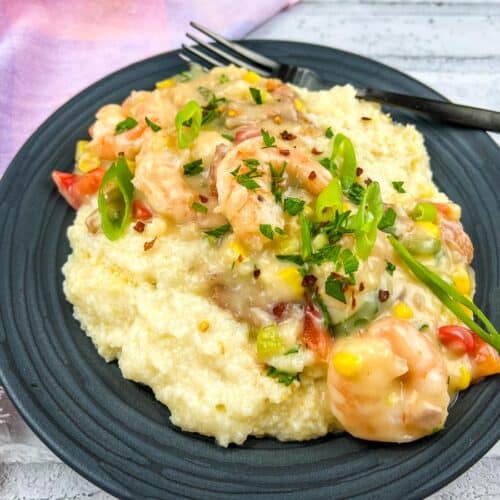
<point x="188" y="124"/>
<point x="425" y="211"/>
<point x="449" y="296"/>
<point x="329" y="201"/>
<point x="344" y="158"/>
<point x="115" y="199"/>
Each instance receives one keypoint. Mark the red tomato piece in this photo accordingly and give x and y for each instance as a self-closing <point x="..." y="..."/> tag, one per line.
<point x="485" y="359"/>
<point x="75" y="188"/>
<point x="314" y="334"/>
<point x="457" y="338"/>
<point x="140" y="211"/>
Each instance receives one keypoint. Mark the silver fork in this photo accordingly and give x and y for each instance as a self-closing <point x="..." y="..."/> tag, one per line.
<point x="224" y="51"/>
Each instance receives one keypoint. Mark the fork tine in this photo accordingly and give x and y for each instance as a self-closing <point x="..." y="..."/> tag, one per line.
<point x="188" y="60"/>
<point x="201" y="55"/>
<point x="255" y="57"/>
<point x="224" y="55"/>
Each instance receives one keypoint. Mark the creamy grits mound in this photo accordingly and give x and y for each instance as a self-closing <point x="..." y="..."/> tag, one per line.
<point x="184" y="312"/>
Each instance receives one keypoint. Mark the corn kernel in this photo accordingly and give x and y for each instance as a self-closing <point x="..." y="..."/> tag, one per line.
<point x="430" y="228"/>
<point x="277" y="119"/>
<point x="347" y="364"/>
<point x="299" y="105"/>
<point x="461" y="381"/>
<point x="203" y="326"/>
<point x="461" y="281"/>
<point x="165" y="84"/>
<point x="467" y="310"/>
<point x="402" y="311"/>
<point x="426" y="191"/>
<point x="80" y="149"/>
<point x="131" y="165"/>
<point x="88" y="162"/>
<point x="232" y="112"/>
<point x="251" y="77"/>
<point x="237" y="249"/>
<point x="264" y="94"/>
<point x="292" y="277"/>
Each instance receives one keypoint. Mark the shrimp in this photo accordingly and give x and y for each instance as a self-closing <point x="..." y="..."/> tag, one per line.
<point x="246" y="209"/>
<point x="159" y="176"/>
<point x="389" y="383"/>
<point x="456" y="239"/>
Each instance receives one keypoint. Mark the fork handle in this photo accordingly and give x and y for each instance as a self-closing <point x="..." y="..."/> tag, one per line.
<point x="454" y="113"/>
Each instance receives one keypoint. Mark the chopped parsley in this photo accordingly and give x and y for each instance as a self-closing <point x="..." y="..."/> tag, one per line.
<point x="328" y="253"/>
<point x="153" y="126"/>
<point x="211" y="110"/>
<point x="292" y="350"/>
<point x="326" y="162"/>
<point x="268" y="139"/>
<point x="256" y="95"/>
<point x="247" y="179"/>
<point x="198" y="207"/>
<point x="334" y="287"/>
<point x="267" y="231"/>
<point x="398" y="186"/>
<point x="284" y="378"/>
<point x="390" y="267"/>
<point x="387" y="221"/>
<point x="349" y="261"/>
<point x="355" y="193"/>
<point x="220" y="231"/>
<point x="329" y="133"/>
<point x="223" y="78"/>
<point x="336" y="228"/>
<point x="296" y="259"/>
<point x="279" y="231"/>
<point x="293" y="206"/>
<point x="277" y="181"/>
<point x="125" y="125"/>
<point x="251" y="162"/>
<point x="185" y="76"/>
<point x="193" y="168"/>
<point x="228" y="137"/>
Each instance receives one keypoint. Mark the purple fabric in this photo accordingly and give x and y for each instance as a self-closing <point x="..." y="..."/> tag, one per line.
<point x="50" y="50"/>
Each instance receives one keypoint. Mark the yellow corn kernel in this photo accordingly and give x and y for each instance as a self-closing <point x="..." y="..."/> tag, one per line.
<point x="251" y="77"/>
<point x="237" y="249"/>
<point x="264" y="94"/>
<point x="426" y="191"/>
<point x="203" y="326"/>
<point x="131" y="165"/>
<point x="461" y="381"/>
<point x="467" y="310"/>
<point x="347" y="364"/>
<point x="402" y="310"/>
<point x="461" y="281"/>
<point x="232" y="112"/>
<point x="88" y="162"/>
<point x="430" y="228"/>
<point x="80" y="149"/>
<point x="277" y="119"/>
<point x="165" y="84"/>
<point x="299" y="105"/>
<point x="345" y="206"/>
<point x="292" y="277"/>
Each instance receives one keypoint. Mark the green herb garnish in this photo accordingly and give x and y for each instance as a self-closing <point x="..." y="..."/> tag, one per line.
<point x="398" y="186"/>
<point x="247" y="179"/>
<point x="198" y="207"/>
<point x="267" y="231"/>
<point x="293" y="206"/>
<point x="269" y="140"/>
<point x="329" y="133"/>
<point x="284" y="378"/>
<point x="292" y="350"/>
<point x="390" y="267"/>
<point x="349" y="261"/>
<point x="185" y="76"/>
<point x="188" y="124"/>
<point x="296" y="259"/>
<point x="193" y="168"/>
<point x="334" y="287"/>
<point x="251" y="162"/>
<point x="277" y="181"/>
<point x="223" y="78"/>
<point x="124" y="125"/>
<point x="328" y="253"/>
<point x="355" y="193"/>
<point x="220" y="231"/>
<point x="153" y="126"/>
<point x="256" y="95"/>
<point x="387" y="221"/>
<point x="280" y="231"/>
<point x="115" y="199"/>
<point x="228" y="137"/>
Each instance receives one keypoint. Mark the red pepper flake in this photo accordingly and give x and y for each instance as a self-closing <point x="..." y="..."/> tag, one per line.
<point x="312" y="175"/>
<point x="287" y="136"/>
<point x="359" y="171"/>
<point x="203" y="198"/>
<point x="240" y="258"/>
<point x="361" y="287"/>
<point x="309" y="280"/>
<point x="383" y="295"/>
<point x="345" y="286"/>
<point x="353" y="300"/>
<point x="366" y="118"/>
<point x="139" y="226"/>
<point x="260" y="198"/>
<point x="149" y="244"/>
<point x="256" y="273"/>
<point x="368" y="181"/>
<point x="284" y="152"/>
<point x="279" y="309"/>
<point x="315" y="151"/>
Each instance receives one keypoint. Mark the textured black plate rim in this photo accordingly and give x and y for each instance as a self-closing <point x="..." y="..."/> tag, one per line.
<point x="20" y="400"/>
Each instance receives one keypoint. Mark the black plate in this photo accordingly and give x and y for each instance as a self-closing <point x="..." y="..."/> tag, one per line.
<point x="113" y="431"/>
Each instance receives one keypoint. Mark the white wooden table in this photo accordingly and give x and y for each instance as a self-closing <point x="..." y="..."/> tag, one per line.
<point x="453" y="46"/>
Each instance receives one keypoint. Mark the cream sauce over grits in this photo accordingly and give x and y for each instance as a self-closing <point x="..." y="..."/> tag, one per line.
<point x="234" y="340"/>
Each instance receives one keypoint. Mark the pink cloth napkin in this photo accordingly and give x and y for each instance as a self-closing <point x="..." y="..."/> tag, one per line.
<point x="50" y="50"/>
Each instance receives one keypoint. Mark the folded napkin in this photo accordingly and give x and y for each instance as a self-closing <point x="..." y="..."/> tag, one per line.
<point x="50" y="50"/>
